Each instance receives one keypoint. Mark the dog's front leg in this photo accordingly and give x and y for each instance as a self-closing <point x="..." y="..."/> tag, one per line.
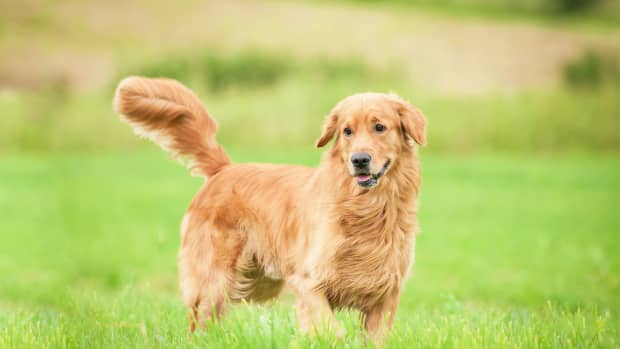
<point x="314" y="312"/>
<point x="378" y="320"/>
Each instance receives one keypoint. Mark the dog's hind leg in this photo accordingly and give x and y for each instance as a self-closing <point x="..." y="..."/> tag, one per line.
<point x="207" y="298"/>
<point x="207" y="260"/>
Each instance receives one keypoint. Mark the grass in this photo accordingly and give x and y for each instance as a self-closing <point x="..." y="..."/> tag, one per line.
<point x="516" y="251"/>
<point x="591" y="69"/>
<point x="521" y="176"/>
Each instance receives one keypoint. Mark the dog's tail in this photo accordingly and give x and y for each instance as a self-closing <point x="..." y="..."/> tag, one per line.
<point x="172" y="116"/>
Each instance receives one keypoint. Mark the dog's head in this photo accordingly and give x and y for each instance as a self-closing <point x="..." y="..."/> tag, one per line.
<point x="372" y="130"/>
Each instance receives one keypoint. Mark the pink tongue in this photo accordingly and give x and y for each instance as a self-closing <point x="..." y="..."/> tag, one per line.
<point x="363" y="178"/>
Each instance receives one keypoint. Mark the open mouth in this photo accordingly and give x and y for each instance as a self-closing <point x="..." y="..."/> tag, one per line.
<point x="367" y="180"/>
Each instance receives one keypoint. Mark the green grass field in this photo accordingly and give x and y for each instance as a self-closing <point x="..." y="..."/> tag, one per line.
<point x="519" y="245"/>
<point x="516" y="251"/>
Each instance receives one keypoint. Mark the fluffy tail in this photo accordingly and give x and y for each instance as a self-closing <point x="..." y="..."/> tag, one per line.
<point x="172" y="116"/>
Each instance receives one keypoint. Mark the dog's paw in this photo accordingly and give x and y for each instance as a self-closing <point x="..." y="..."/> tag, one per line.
<point x="339" y="331"/>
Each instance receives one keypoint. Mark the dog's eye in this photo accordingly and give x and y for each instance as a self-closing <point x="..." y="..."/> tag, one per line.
<point x="379" y="128"/>
<point x="347" y="131"/>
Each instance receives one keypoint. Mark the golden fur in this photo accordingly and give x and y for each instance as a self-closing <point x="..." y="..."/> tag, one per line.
<point x="254" y="228"/>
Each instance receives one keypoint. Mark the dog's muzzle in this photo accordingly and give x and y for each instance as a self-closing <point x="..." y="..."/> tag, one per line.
<point x="370" y="180"/>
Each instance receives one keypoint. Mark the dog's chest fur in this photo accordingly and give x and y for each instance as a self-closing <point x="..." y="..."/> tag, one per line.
<point x="376" y="252"/>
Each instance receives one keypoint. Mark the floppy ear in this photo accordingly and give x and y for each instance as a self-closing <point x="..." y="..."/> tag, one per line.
<point x="329" y="129"/>
<point x="412" y="121"/>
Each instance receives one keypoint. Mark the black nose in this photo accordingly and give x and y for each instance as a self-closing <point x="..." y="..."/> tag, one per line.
<point x="360" y="160"/>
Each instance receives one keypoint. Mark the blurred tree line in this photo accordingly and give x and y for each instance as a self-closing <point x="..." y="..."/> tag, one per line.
<point x="541" y="7"/>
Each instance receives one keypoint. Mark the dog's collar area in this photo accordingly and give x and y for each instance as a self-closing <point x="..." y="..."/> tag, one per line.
<point x="374" y="179"/>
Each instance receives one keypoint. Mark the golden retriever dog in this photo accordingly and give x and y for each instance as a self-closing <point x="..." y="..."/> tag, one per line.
<point x="341" y="235"/>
